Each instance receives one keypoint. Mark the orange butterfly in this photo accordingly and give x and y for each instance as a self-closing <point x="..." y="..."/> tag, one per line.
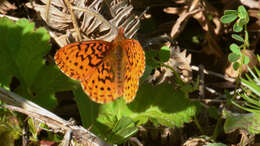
<point x="106" y="70"/>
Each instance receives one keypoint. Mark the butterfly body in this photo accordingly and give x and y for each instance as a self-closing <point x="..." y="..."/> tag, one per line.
<point x="106" y="70"/>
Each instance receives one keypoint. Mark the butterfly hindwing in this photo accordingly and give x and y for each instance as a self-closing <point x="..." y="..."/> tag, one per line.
<point x="134" y="68"/>
<point x="101" y="87"/>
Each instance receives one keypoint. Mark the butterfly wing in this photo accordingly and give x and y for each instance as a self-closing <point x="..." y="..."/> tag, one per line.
<point x="134" y="67"/>
<point x="101" y="86"/>
<point x="79" y="60"/>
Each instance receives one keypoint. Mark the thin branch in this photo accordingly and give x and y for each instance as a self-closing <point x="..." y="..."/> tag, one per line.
<point x="213" y="73"/>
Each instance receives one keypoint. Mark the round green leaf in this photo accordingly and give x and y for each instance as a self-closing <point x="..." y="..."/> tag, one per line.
<point x="228" y="18"/>
<point x="242" y="21"/>
<point x="235" y="48"/>
<point x="242" y="13"/>
<point x="233" y="57"/>
<point x="237" y="37"/>
<point x="235" y="65"/>
<point x="237" y="27"/>
<point x="164" y="54"/>
<point x="230" y="12"/>
<point x="246" y="60"/>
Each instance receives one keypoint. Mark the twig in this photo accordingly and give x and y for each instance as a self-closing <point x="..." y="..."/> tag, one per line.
<point x="20" y="104"/>
<point x="213" y="73"/>
<point x="135" y="141"/>
<point x="202" y="82"/>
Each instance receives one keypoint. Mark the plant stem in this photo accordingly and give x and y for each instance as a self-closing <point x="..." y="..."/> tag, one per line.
<point x="198" y="125"/>
<point x="216" y="130"/>
<point x="245" y="45"/>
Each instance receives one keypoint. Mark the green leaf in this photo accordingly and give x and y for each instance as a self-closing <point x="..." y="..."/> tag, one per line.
<point x="235" y="48"/>
<point x="122" y="130"/>
<point x="165" y="106"/>
<point x="213" y="112"/>
<point x="89" y="113"/>
<point x="164" y="54"/>
<point x="22" y="49"/>
<point x="150" y="58"/>
<point x="250" y="122"/>
<point x="33" y="128"/>
<point x="246" y="39"/>
<point x="243" y="13"/>
<point x="10" y="128"/>
<point x="232" y="57"/>
<point x="237" y="27"/>
<point x="252" y="86"/>
<point x="237" y="37"/>
<point x="236" y="65"/>
<point x="229" y="16"/>
<point x="43" y="90"/>
<point x="246" y="60"/>
<point x="242" y="22"/>
<point x="230" y="12"/>
<point x="22" y="52"/>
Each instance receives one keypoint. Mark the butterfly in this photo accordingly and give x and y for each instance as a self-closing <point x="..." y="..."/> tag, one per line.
<point x="106" y="70"/>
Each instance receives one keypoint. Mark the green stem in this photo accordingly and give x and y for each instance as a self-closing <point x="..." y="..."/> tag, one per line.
<point x="198" y="125"/>
<point x="216" y="130"/>
<point x="245" y="45"/>
<point x="173" y="70"/>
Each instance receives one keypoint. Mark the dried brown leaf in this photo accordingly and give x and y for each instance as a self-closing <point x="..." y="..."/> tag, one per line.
<point x="6" y="6"/>
<point x="89" y="19"/>
<point x="180" y="61"/>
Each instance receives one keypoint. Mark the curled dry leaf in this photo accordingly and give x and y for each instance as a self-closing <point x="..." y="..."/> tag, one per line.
<point x="181" y="62"/>
<point x="91" y="23"/>
<point x="230" y="72"/>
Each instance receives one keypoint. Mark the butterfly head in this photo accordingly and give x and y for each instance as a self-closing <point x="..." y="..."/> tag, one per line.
<point x="120" y="36"/>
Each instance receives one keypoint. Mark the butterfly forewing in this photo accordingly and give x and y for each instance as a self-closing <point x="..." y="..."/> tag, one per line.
<point x="79" y="60"/>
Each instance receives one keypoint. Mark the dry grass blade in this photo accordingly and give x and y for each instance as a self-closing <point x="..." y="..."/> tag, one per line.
<point x="20" y="104"/>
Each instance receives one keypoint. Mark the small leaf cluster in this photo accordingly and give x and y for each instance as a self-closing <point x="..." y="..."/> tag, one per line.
<point x="236" y="55"/>
<point x="242" y="19"/>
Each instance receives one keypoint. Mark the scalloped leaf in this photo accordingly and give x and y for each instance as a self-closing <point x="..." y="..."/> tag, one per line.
<point x="159" y="104"/>
<point x="22" y="52"/>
